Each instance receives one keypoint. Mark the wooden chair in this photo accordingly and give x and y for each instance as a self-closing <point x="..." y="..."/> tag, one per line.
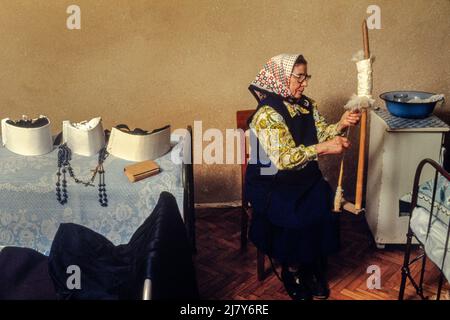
<point x="188" y="186"/>
<point x="241" y="122"/>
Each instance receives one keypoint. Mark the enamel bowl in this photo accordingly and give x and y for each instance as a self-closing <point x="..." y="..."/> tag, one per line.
<point x="397" y="103"/>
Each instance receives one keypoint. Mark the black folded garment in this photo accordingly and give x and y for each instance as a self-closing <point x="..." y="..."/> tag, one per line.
<point x="159" y="250"/>
<point x="29" y="123"/>
<point x="24" y="275"/>
<point x="139" y="131"/>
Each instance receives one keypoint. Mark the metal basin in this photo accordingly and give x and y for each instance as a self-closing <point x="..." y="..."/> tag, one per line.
<point x="399" y="104"/>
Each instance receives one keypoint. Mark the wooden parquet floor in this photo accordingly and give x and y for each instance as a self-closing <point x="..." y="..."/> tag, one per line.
<point x="224" y="272"/>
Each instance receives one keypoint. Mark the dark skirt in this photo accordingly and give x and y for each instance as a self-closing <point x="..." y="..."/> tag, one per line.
<point x="293" y="226"/>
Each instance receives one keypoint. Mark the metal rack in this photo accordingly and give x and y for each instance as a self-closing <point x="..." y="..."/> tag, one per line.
<point x="406" y="272"/>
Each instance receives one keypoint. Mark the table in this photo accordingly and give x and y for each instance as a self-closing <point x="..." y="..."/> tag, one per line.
<point x="30" y="214"/>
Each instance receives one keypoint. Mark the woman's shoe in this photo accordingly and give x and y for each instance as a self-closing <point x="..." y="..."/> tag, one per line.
<point x="319" y="284"/>
<point x="319" y="289"/>
<point x="295" y="286"/>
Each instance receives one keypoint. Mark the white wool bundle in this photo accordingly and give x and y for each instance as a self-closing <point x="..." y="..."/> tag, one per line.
<point x="359" y="102"/>
<point x="363" y="98"/>
<point x="433" y="98"/>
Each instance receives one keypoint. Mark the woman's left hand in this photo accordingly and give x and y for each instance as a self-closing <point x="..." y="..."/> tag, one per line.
<point x="349" y="119"/>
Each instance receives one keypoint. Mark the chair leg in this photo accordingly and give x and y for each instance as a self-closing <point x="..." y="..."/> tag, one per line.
<point x="405" y="268"/>
<point x="260" y="268"/>
<point x="244" y="228"/>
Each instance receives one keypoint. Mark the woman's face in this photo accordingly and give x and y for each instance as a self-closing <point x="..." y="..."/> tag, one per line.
<point x="296" y="87"/>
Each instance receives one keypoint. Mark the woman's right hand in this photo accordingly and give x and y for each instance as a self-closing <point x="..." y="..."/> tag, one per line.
<point x="337" y="145"/>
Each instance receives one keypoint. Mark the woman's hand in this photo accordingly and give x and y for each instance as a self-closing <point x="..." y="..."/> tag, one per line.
<point x="349" y="119"/>
<point x="336" y="145"/>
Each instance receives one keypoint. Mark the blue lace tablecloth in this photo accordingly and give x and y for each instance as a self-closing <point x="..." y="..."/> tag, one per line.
<point x="30" y="213"/>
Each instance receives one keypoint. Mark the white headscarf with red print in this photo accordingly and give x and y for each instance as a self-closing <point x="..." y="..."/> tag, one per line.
<point x="274" y="77"/>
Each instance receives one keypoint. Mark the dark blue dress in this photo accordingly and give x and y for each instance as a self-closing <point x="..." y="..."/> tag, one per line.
<point x="292" y="220"/>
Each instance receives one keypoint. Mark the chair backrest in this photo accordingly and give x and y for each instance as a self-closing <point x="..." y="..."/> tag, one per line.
<point x="242" y="117"/>
<point x="189" y="198"/>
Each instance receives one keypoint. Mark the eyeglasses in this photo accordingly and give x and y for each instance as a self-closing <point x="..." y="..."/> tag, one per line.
<point x="301" y="77"/>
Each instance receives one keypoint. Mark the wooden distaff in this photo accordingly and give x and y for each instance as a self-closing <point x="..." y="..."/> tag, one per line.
<point x="362" y="133"/>
<point x="339" y="200"/>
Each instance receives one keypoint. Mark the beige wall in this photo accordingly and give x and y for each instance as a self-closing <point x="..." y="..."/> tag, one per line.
<point x="148" y="63"/>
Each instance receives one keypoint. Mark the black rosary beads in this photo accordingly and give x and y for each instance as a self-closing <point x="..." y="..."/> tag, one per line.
<point x="102" y="197"/>
<point x="64" y="166"/>
<point x="64" y="157"/>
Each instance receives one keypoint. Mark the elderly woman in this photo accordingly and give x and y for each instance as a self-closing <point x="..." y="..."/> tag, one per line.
<point x="292" y="219"/>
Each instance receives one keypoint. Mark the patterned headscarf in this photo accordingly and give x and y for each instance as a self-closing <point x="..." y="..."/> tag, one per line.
<point x="274" y="77"/>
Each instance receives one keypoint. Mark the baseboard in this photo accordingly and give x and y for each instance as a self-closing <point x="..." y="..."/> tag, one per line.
<point x="219" y="205"/>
